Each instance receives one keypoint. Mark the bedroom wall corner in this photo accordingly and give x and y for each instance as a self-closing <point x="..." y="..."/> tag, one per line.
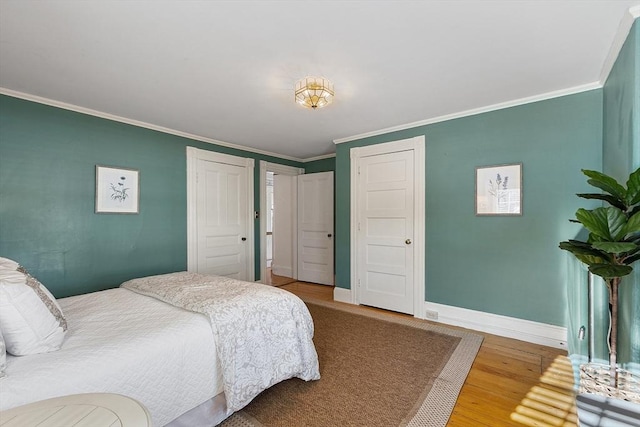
<point x="621" y="156"/>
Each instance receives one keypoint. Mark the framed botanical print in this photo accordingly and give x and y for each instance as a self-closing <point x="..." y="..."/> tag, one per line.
<point x="117" y="190"/>
<point x="499" y="190"/>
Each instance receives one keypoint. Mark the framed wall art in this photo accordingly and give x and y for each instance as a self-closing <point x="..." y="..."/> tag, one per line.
<point x="117" y="190"/>
<point x="499" y="190"/>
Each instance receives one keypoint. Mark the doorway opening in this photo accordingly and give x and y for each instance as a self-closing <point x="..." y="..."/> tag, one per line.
<point x="278" y="225"/>
<point x="281" y="275"/>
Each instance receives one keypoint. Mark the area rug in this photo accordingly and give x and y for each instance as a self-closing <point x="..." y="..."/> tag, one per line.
<point x="377" y="370"/>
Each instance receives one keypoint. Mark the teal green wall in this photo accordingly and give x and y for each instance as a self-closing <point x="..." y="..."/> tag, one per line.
<point x="621" y="156"/>
<point x="504" y="265"/>
<point x="47" y="186"/>
<point x="322" y="165"/>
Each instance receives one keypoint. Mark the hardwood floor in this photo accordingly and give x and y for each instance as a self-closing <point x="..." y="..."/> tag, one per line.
<point x="275" y="280"/>
<point x="511" y="382"/>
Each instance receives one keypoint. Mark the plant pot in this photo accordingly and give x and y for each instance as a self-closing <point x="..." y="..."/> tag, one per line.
<point x="595" y="378"/>
<point x="599" y="411"/>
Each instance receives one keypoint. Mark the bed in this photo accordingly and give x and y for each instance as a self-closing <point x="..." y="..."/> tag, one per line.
<point x="189" y="347"/>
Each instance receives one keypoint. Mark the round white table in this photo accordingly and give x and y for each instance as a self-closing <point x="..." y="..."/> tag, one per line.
<point x="79" y="410"/>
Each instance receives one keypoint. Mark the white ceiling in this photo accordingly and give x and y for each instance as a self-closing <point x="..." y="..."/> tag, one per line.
<point x="225" y="70"/>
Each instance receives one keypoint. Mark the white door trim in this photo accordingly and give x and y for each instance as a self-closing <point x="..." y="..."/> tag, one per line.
<point x="416" y="144"/>
<point x="282" y="170"/>
<point x="194" y="154"/>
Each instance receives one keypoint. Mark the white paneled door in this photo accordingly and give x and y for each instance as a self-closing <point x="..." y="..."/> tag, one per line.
<point x="315" y="228"/>
<point x="385" y="221"/>
<point x="221" y="241"/>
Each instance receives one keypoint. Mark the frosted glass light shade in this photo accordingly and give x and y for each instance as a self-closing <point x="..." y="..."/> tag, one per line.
<point x="314" y="92"/>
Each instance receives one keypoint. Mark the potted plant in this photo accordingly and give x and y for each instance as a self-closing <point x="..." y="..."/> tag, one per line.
<point x="613" y="244"/>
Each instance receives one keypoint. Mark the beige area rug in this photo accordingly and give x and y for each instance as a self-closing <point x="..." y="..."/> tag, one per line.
<point x="377" y="370"/>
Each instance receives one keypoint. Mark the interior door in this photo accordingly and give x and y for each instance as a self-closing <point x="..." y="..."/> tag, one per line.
<point x="315" y="228"/>
<point x="221" y="220"/>
<point x="386" y="231"/>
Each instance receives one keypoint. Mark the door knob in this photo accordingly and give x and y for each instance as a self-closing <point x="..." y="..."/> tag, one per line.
<point x="329" y="235"/>
<point x="244" y="239"/>
<point x="408" y="241"/>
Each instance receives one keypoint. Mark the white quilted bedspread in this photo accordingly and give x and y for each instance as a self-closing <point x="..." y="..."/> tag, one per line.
<point x="122" y="342"/>
<point x="263" y="334"/>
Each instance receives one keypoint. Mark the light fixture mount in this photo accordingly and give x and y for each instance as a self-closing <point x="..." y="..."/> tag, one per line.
<point x="314" y="92"/>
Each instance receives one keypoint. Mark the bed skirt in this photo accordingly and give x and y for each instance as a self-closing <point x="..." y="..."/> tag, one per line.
<point x="210" y="413"/>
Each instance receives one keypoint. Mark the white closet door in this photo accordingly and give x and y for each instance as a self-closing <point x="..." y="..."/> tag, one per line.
<point x="220" y="214"/>
<point x="385" y="231"/>
<point x="315" y="228"/>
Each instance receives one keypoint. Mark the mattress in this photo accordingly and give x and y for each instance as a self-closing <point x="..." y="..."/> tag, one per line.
<point x="122" y="342"/>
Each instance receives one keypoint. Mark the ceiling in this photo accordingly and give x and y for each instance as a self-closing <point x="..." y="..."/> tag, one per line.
<point x="225" y="70"/>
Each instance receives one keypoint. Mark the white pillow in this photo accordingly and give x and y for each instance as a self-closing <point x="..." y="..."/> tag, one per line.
<point x="8" y="264"/>
<point x="3" y="357"/>
<point x="30" y="318"/>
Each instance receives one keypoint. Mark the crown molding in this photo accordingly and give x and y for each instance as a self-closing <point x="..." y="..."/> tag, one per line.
<point x="324" y="156"/>
<point x="475" y="111"/>
<point x="623" y="32"/>
<point x="621" y="35"/>
<point x="112" y="117"/>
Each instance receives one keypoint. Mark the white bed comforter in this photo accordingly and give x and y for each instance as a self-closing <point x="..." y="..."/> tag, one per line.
<point x="122" y="342"/>
<point x="263" y="335"/>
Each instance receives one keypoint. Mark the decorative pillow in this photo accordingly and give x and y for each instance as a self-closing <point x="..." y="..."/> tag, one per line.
<point x="31" y="319"/>
<point x="3" y="357"/>
<point x="8" y="264"/>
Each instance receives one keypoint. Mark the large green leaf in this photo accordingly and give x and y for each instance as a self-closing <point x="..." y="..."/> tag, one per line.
<point x="607" y="271"/>
<point x="634" y="251"/>
<point x="633" y="225"/>
<point x="615" y="247"/>
<point x="585" y="253"/>
<point x="594" y="238"/>
<point x="632" y="259"/>
<point x="613" y="201"/>
<point x="607" y="223"/>
<point x="633" y="188"/>
<point x="575" y="246"/>
<point x="606" y="183"/>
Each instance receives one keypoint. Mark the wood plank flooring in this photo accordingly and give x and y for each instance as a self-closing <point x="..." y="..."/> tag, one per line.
<point x="511" y="382"/>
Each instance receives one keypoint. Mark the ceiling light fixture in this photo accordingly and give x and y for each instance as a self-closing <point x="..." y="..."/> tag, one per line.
<point x="314" y="92"/>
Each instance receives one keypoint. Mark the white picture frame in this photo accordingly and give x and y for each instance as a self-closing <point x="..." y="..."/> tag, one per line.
<point x="117" y="190"/>
<point x="499" y="190"/>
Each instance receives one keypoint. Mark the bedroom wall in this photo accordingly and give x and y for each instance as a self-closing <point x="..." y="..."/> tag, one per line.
<point x="621" y="156"/>
<point x="322" y="165"/>
<point x="503" y="265"/>
<point x="47" y="186"/>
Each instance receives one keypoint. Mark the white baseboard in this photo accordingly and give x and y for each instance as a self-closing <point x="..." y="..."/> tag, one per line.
<point x="504" y="326"/>
<point x="342" y="295"/>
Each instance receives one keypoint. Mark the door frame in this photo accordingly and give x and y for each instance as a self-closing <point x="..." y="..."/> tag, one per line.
<point x="417" y="144"/>
<point x="282" y="170"/>
<point x="193" y="155"/>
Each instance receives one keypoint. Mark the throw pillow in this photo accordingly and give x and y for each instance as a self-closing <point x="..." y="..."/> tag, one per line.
<point x="32" y="321"/>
